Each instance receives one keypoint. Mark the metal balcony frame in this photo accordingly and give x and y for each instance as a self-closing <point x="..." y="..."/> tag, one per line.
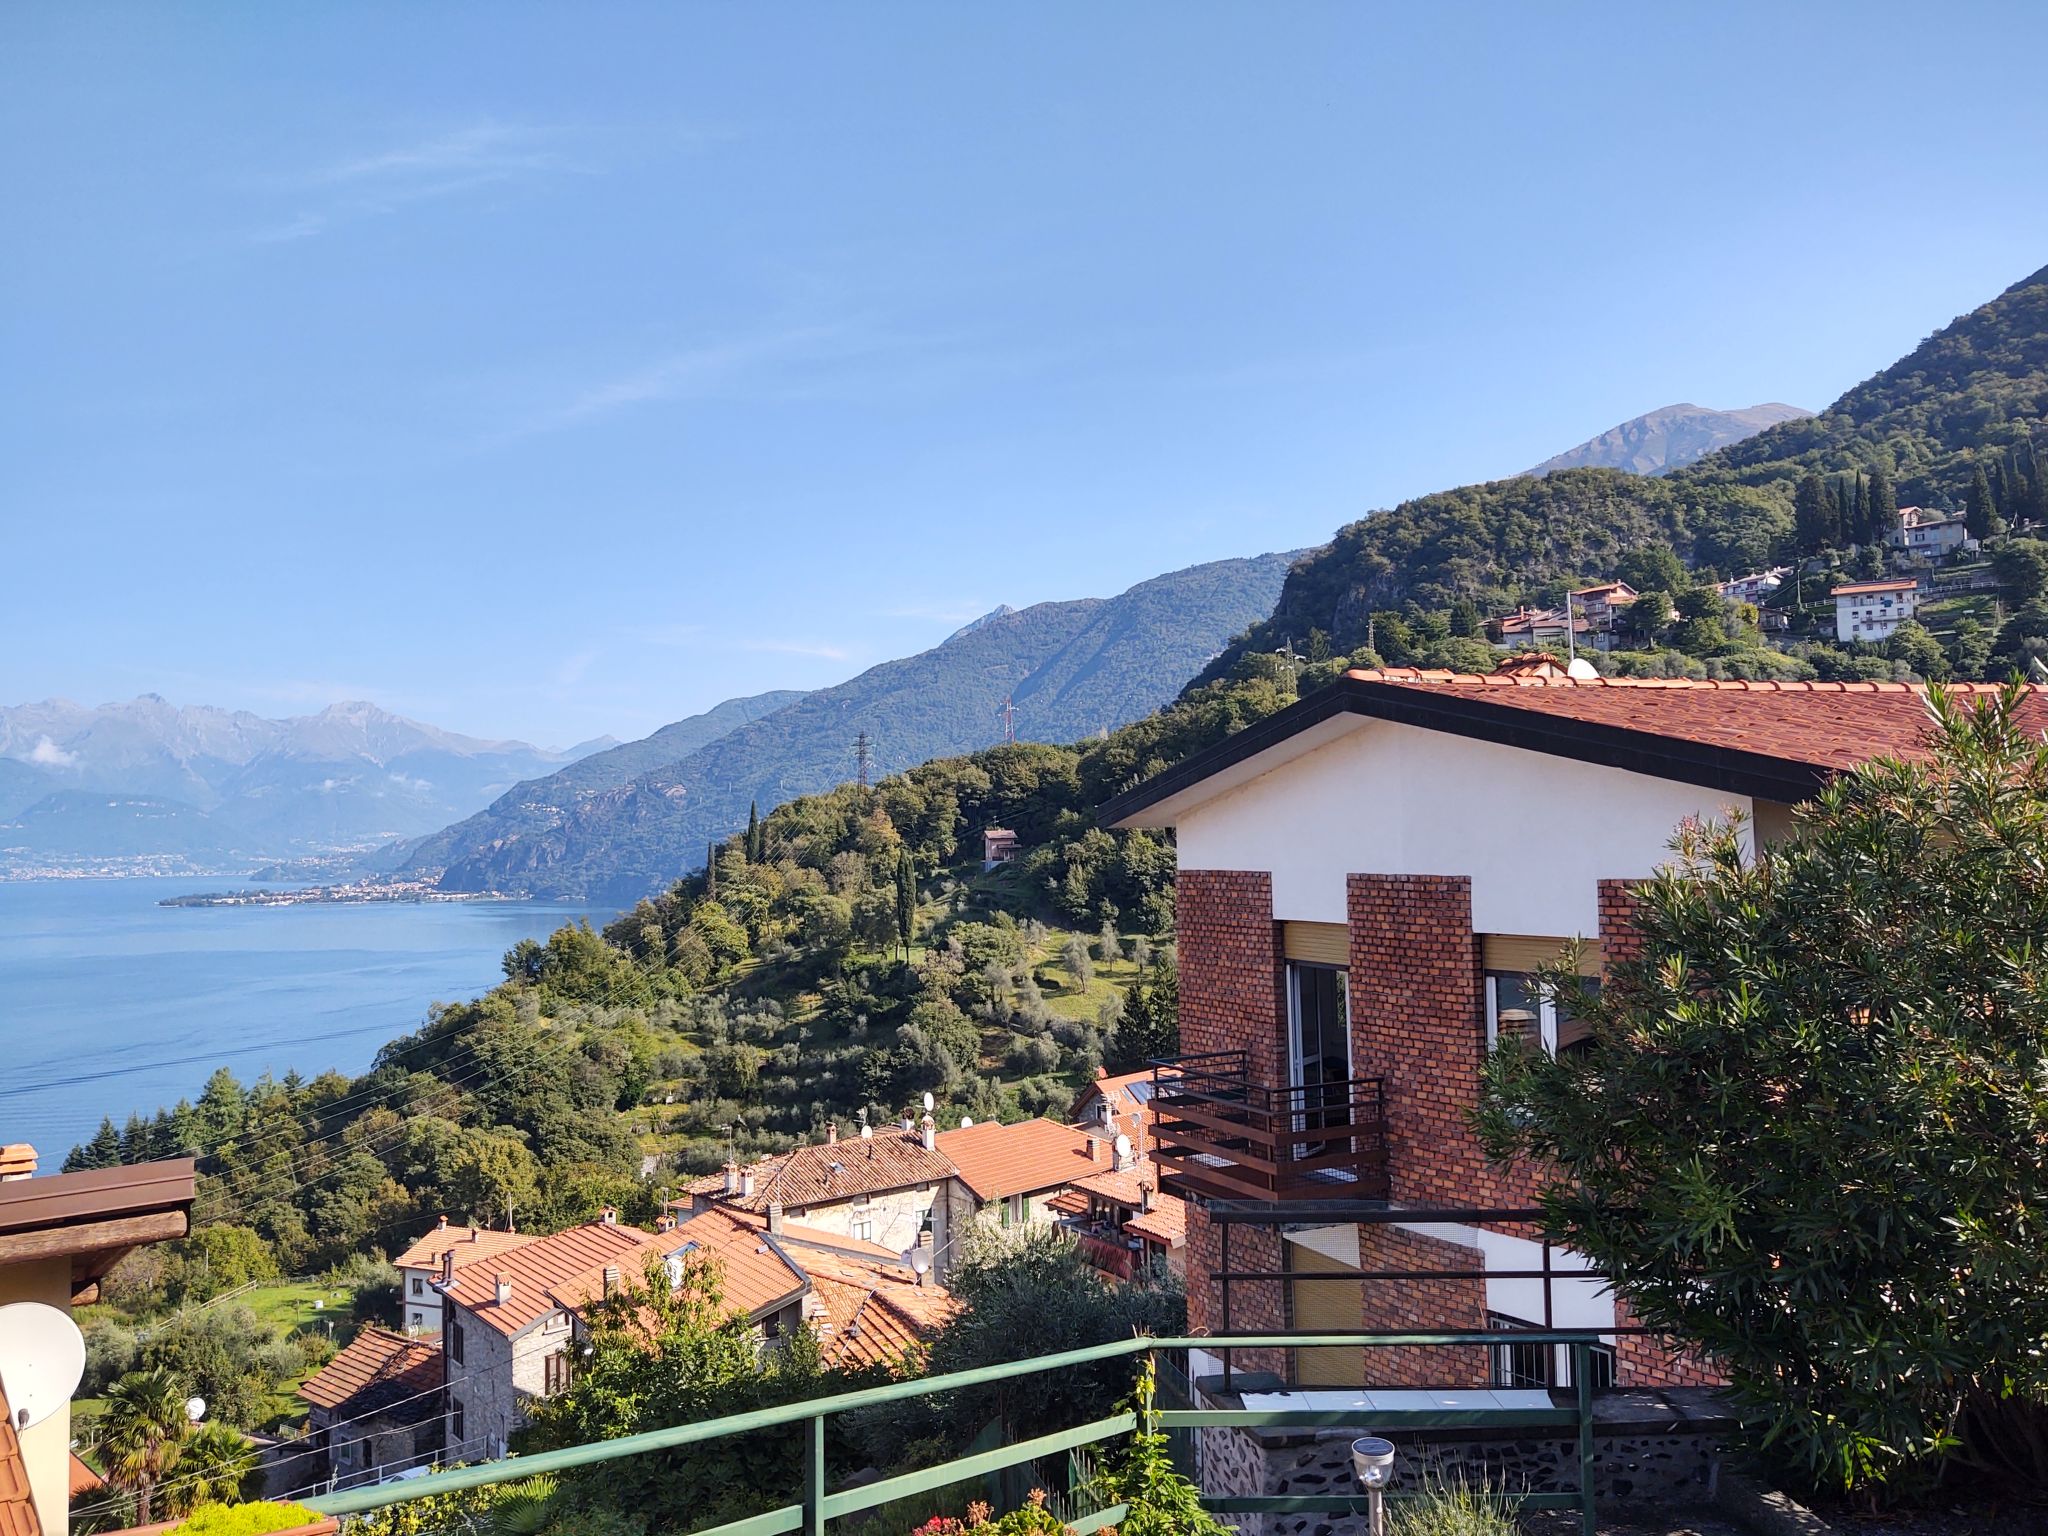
<point x="1286" y="1145"/>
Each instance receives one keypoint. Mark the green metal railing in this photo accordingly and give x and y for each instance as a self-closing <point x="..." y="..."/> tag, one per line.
<point x="818" y="1504"/>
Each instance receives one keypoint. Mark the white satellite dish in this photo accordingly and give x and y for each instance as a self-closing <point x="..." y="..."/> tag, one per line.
<point x="42" y="1357"/>
<point x="1122" y="1145"/>
<point x="967" y="1122"/>
<point x="928" y="1102"/>
<point x="1581" y="669"/>
<point x="195" y="1408"/>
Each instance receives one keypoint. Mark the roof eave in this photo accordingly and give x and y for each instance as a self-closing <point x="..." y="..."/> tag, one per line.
<point x="1727" y="769"/>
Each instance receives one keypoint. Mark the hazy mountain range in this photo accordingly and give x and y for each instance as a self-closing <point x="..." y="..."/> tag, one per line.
<point x="1069" y="669"/>
<point x="1668" y="438"/>
<point x="150" y="777"/>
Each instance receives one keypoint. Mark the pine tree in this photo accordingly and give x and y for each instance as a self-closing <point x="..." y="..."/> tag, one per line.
<point x="1981" y="517"/>
<point x="103" y="1151"/>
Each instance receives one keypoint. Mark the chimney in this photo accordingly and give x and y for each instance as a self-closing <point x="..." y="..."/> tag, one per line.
<point x="1144" y="1199"/>
<point x="1125" y="1161"/>
<point x="1100" y="1073"/>
<point x="448" y="1266"/>
<point x="775" y="1217"/>
<point x="608" y="1217"/>
<point x="831" y="1133"/>
<point x="746" y="1183"/>
<point x="475" y="1233"/>
<point x="1094" y="1149"/>
<point x="732" y="1178"/>
<point x="17" y="1162"/>
<point x="930" y="1136"/>
<point x="611" y="1280"/>
<point x="907" y="1124"/>
<point x="441" y="1225"/>
<point x="504" y="1290"/>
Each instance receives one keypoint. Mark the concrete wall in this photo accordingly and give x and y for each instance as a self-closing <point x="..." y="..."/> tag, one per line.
<point x="896" y="1217"/>
<point x="1533" y="832"/>
<point x="45" y="1447"/>
<point x="420" y="1309"/>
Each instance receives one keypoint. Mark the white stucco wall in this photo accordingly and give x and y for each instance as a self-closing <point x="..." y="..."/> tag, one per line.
<point x="1535" y="833"/>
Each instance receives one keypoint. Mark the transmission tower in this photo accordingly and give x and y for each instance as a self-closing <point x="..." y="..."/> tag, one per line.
<point x="1009" y="714"/>
<point x="863" y="757"/>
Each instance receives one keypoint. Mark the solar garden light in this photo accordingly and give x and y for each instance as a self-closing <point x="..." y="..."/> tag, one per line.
<point x="1372" y="1459"/>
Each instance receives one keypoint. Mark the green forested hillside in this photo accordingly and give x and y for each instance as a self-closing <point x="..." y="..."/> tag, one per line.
<point x="1072" y="669"/>
<point x="1971" y="397"/>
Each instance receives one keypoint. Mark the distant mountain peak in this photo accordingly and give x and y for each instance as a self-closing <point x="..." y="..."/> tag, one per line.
<point x="1670" y="437"/>
<point x="1000" y="611"/>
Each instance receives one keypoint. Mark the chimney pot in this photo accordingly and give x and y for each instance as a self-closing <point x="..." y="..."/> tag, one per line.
<point x="441" y="1225"/>
<point x="732" y="1178"/>
<point x="611" y="1280"/>
<point x="831" y="1133"/>
<point x="447" y="1266"/>
<point x="746" y="1183"/>
<point x="775" y="1216"/>
<point x="930" y="1135"/>
<point x="504" y="1290"/>
<point x="609" y="1216"/>
<point x="1094" y="1149"/>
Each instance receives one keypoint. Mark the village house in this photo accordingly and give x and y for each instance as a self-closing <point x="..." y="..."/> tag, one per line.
<point x="1924" y="531"/>
<point x="1602" y="605"/>
<point x="998" y="846"/>
<point x="374" y="1410"/>
<point x="1124" y="1221"/>
<point x="1755" y="587"/>
<point x="1872" y="611"/>
<point x="425" y="1262"/>
<point x="1015" y="1169"/>
<point x="59" y="1236"/>
<point x="507" y="1329"/>
<point x="888" y="1187"/>
<point x="1541" y="626"/>
<point x="1368" y="880"/>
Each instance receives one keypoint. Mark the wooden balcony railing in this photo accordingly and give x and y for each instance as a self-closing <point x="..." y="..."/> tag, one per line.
<point x="1219" y="1135"/>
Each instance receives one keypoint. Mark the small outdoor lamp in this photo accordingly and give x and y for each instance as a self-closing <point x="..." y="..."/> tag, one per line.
<point x="1372" y="1459"/>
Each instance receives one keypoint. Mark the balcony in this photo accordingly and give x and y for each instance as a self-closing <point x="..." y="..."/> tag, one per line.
<point x="1218" y="1135"/>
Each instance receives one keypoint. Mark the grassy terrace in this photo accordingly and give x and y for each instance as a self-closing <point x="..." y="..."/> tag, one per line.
<point x="822" y="1503"/>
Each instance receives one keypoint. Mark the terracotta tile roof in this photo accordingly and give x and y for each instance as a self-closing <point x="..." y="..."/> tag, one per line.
<point x="997" y="1161"/>
<point x="1125" y="1188"/>
<point x="83" y="1478"/>
<point x="17" y="1501"/>
<point x="1166" y="1222"/>
<point x="376" y="1369"/>
<point x="868" y="1314"/>
<point x="536" y="1270"/>
<point x="1068" y="1202"/>
<point x="796" y="1235"/>
<point x="828" y="1172"/>
<point x="469" y="1243"/>
<point x="1855" y="587"/>
<point x="756" y="1275"/>
<point x="1829" y="726"/>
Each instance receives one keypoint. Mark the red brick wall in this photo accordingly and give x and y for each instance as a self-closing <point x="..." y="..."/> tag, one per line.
<point x="1232" y="998"/>
<point x="1418" y="1018"/>
<point x="1618" y="937"/>
<point x="1231" y="976"/>
<point x="1422" y="1306"/>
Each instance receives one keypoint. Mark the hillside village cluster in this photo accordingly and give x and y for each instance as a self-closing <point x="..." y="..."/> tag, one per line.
<point x="1866" y="612"/>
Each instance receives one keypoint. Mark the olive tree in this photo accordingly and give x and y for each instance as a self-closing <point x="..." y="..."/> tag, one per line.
<point x="1810" y="1130"/>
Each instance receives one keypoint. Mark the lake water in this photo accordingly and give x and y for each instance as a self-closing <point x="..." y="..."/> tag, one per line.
<point x="110" y="1003"/>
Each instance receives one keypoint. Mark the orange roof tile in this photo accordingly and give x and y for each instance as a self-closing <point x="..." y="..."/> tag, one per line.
<point x="997" y="1161"/>
<point x="755" y="1275"/>
<point x="1830" y="726"/>
<point x="1166" y="1222"/>
<point x="377" y="1368"/>
<point x="871" y="1315"/>
<point x="468" y="1243"/>
<point x="565" y="1260"/>
<point x="83" y="1478"/>
<point x="17" y="1500"/>
<point x="796" y="1235"/>
<point x="828" y="1172"/>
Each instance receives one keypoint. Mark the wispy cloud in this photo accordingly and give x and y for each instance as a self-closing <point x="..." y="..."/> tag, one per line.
<point x="49" y="755"/>
<point x="937" y="613"/>
<point x="443" y="165"/>
<point x="792" y="648"/>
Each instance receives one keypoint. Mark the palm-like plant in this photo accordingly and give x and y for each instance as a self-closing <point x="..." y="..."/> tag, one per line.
<point x="141" y="1434"/>
<point x="213" y="1464"/>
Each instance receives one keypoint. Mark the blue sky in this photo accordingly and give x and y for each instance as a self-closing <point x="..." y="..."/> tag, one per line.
<point x="554" y="371"/>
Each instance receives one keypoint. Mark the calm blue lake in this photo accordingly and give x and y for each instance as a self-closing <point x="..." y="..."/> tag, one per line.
<point x="110" y="1003"/>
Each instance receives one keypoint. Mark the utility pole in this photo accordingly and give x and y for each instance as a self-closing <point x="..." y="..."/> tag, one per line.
<point x="863" y="758"/>
<point x="1293" y="663"/>
<point x="1009" y="714"/>
<point x="1571" y="639"/>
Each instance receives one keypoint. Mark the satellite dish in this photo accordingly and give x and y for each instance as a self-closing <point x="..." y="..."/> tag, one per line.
<point x="195" y="1408"/>
<point x="1582" y="669"/>
<point x="42" y="1357"/>
<point x="920" y="1261"/>
<point x="1122" y="1144"/>
<point x="928" y="1102"/>
<point x="966" y="1122"/>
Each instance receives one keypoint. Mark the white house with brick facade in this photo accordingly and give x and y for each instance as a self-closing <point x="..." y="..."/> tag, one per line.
<point x="1367" y="881"/>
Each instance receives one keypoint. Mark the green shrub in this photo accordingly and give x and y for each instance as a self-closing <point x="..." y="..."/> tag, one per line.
<point x="245" y="1519"/>
<point x="1453" y="1509"/>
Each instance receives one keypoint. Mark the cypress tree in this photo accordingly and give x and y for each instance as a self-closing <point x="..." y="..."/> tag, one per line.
<point x="753" y="844"/>
<point x="1980" y="516"/>
<point x="906" y="900"/>
<point x="1814" y="514"/>
<point x="1881" y="505"/>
